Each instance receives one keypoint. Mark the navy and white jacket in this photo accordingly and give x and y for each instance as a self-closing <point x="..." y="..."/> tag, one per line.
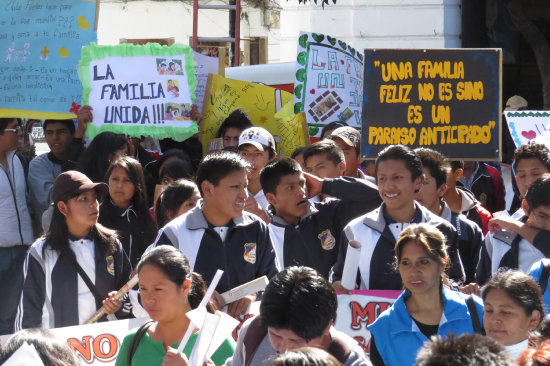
<point x="315" y="241"/>
<point x="378" y="234"/>
<point x="470" y="240"/>
<point x="244" y="255"/>
<point x="508" y="249"/>
<point x="50" y="291"/>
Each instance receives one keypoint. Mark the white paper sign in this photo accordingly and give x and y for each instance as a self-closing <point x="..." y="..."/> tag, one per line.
<point x="357" y="311"/>
<point x="526" y="126"/>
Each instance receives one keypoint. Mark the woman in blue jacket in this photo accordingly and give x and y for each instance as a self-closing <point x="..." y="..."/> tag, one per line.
<point x="427" y="306"/>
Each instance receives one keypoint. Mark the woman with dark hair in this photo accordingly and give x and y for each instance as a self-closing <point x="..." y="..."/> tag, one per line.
<point x="178" y="198"/>
<point x="126" y="209"/>
<point x="427" y="307"/>
<point x="173" y="170"/>
<point x="168" y="290"/>
<point x="77" y="266"/>
<point x="513" y="309"/>
<point x="104" y="149"/>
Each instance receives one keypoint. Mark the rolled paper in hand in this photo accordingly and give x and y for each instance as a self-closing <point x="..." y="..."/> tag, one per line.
<point x="123" y="291"/>
<point x="351" y="265"/>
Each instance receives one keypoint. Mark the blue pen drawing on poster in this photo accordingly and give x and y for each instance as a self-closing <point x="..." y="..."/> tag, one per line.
<point x="40" y="43"/>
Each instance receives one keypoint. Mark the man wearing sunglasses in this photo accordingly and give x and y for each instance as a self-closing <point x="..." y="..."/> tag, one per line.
<point x="15" y="223"/>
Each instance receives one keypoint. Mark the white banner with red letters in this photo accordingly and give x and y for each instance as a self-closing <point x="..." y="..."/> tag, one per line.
<point x="99" y="343"/>
<point x="357" y="311"/>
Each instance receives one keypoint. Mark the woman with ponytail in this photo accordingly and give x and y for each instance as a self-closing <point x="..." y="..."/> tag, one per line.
<point x="77" y="266"/>
<point x="168" y="290"/>
<point x="427" y="306"/>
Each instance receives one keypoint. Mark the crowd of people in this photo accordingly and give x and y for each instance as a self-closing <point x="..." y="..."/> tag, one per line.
<point x="78" y="221"/>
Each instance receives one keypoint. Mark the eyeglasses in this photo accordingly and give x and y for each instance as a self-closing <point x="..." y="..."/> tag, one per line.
<point x="16" y="129"/>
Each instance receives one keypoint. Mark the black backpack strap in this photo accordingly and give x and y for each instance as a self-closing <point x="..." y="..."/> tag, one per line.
<point x="543" y="282"/>
<point x="97" y="296"/>
<point x="515" y="252"/>
<point x="473" y="314"/>
<point x="252" y="339"/>
<point x="135" y="341"/>
<point x="339" y="348"/>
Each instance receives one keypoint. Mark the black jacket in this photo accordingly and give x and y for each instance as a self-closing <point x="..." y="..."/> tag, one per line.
<point x="315" y="241"/>
<point x="135" y="233"/>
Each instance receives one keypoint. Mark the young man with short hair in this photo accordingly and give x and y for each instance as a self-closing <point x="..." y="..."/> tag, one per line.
<point x="298" y="309"/>
<point x="65" y="147"/>
<point x="470" y="236"/>
<point x="399" y="178"/>
<point x="325" y="159"/>
<point x="218" y="234"/>
<point x="531" y="161"/>
<point x="349" y="140"/>
<point x="15" y="223"/>
<point x="257" y="146"/>
<point x="232" y="127"/>
<point x="524" y="241"/>
<point x="461" y="200"/>
<point x="305" y="233"/>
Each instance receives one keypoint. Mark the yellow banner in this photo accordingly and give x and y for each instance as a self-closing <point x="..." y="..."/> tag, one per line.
<point x="267" y="107"/>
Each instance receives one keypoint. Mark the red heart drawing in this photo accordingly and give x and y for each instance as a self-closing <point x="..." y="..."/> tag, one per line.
<point x="312" y="91"/>
<point x="529" y="135"/>
<point x="342" y="62"/>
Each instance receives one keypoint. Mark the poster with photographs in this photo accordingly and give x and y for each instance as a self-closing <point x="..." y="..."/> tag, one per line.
<point x="328" y="82"/>
<point x="140" y="90"/>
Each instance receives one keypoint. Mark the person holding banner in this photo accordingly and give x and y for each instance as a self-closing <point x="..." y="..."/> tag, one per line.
<point x="168" y="291"/>
<point x="427" y="306"/>
<point x="77" y="266"/>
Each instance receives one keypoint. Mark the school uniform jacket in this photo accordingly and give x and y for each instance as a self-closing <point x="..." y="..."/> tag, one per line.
<point x="510" y="250"/>
<point x="316" y="240"/>
<point x="374" y="232"/>
<point x="15" y="220"/>
<point x="398" y="339"/>
<point x="50" y="290"/>
<point x="470" y="240"/>
<point x="244" y="255"/>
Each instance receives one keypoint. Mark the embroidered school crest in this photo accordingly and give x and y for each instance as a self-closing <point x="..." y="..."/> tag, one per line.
<point x="327" y="240"/>
<point x="250" y="253"/>
<point x="110" y="265"/>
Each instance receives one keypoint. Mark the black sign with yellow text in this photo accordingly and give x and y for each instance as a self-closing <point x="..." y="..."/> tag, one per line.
<point x="444" y="99"/>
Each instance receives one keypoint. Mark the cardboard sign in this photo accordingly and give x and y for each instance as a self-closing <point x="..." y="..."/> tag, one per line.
<point x="329" y="79"/>
<point x="444" y="99"/>
<point x="266" y="107"/>
<point x="357" y="311"/>
<point x="139" y="90"/>
<point x="526" y="126"/>
<point x="40" y="43"/>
